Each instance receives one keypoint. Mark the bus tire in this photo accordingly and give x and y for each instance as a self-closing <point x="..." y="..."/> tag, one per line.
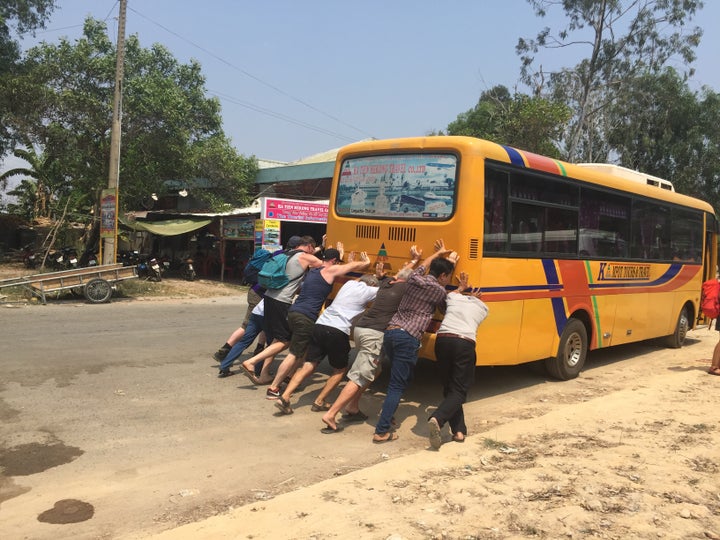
<point x="572" y="352"/>
<point x="677" y="338"/>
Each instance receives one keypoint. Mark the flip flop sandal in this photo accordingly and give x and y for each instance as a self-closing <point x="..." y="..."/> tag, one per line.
<point x="354" y="417"/>
<point x="388" y="437"/>
<point x="250" y="375"/>
<point x="320" y="408"/>
<point x="283" y="406"/>
<point x="327" y="430"/>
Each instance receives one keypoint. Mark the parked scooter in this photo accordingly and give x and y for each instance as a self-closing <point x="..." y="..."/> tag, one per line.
<point x="154" y="272"/>
<point x="147" y="267"/>
<point x="89" y="258"/>
<point x="29" y="256"/>
<point x="64" y="258"/>
<point x="164" y="265"/>
<point x="187" y="271"/>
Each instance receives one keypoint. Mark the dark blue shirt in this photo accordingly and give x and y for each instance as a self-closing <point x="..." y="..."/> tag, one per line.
<point x="313" y="294"/>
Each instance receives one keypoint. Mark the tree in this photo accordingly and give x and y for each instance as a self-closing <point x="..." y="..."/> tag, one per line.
<point x="530" y="123"/>
<point x="18" y="17"/>
<point x="623" y="39"/>
<point x="661" y="127"/>
<point x="167" y="120"/>
<point x="42" y="177"/>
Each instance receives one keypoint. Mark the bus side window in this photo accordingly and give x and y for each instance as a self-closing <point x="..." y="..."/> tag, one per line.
<point x="494" y="233"/>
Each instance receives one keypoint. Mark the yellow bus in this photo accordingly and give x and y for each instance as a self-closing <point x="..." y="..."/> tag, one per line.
<point x="570" y="257"/>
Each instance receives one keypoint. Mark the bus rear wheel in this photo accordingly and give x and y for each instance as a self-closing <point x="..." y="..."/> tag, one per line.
<point x="677" y="338"/>
<point x="572" y="352"/>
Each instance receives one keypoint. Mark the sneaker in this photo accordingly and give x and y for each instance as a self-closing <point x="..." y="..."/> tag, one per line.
<point x="434" y="433"/>
<point x="221" y="354"/>
<point x="272" y="393"/>
<point x="224" y="373"/>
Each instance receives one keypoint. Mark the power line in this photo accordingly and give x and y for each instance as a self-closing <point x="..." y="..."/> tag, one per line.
<point x="280" y="116"/>
<point x="237" y="101"/>
<point x="250" y="75"/>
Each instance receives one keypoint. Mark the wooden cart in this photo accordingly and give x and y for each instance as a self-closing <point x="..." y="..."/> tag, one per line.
<point x="95" y="283"/>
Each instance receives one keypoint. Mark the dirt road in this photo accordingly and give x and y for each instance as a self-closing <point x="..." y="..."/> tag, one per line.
<point x="112" y="415"/>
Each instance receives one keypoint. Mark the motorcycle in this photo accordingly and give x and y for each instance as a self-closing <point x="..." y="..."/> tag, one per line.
<point x="29" y="257"/>
<point x="65" y="258"/>
<point x="154" y="271"/>
<point x="187" y="271"/>
<point x="89" y="258"/>
<point x="164" y="265"/>
<point x="147" y="267"/>
<point x="71" y="257"/>
<point x="129" y="258"/>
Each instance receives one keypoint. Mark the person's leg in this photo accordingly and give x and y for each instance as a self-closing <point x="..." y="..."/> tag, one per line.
<point x="458" y="361"/>
<point x="276" y="329"/>
<point x="287" y="365"/>
<point x="346" y="396"/>
<point x="253" y="299"/>
<point x="300" y="375"/>
<point x="715" y="364"/>
<point x="337" y="346"/>
<point x="236" y="336"/>
<point x="264" y="376"/>
<point x="254" y="327"/>
<point x="366" y="366"/>
<point x="331" y="384"/>
<point x="270" y="351"/>
<point x="401" y="348"/>
<point x="261" y="342"/>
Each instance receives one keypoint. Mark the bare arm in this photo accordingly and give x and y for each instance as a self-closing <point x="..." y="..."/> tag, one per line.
<point x="342" y="269"/>
<point x="309" y="261"/>
<point x="440" y="251"/>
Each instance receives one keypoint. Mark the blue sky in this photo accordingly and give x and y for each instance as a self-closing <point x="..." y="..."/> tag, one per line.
<point x="300" y="77"/>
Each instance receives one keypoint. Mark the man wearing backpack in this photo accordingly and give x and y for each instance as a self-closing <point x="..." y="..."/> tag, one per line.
<point x="304" y="312"/>
<point x="254" y="295"/>
<point x="277" y="304"/>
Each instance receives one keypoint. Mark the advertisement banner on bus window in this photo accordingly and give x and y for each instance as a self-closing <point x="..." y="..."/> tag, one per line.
<point x="410" y="186"/>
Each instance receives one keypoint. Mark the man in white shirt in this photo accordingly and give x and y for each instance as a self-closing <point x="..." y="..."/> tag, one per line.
<point x="455" y="353"/>
<point x="331" y="338"/>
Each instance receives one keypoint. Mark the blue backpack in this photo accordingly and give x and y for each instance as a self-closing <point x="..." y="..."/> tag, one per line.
<point x="252" y="268"/>
<point x="273" y="274"/>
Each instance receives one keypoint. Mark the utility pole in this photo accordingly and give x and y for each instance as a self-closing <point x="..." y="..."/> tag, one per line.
<point x="109" y="206"/>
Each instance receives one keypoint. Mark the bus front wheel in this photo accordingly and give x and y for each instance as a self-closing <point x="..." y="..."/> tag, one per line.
<point x="572" y="352"/>
<point x="677" y="338"/>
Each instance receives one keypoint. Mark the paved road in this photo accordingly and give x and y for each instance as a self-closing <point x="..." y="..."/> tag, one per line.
<point x="117" y="408"/>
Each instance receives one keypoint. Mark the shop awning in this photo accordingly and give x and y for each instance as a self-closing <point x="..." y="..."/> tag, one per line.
<point x="168" y="227"/>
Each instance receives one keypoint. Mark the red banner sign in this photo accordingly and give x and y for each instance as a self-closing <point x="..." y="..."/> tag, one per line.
<point x="293" y="210"/>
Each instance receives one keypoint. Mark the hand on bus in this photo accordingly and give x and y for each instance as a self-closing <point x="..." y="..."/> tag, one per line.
<point x="380" y="269"/>
<point x="477" y="293"/>
<point x="415" y="253"/>
<point x="463" y="281"/>
<point x="341" y="248"/>
<point x="453" y="257"/>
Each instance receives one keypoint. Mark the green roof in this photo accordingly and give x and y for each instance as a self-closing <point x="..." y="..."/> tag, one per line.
<point x="289" y="173"/>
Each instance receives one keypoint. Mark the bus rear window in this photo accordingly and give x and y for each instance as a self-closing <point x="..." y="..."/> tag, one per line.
<point x="404" y="186"/>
